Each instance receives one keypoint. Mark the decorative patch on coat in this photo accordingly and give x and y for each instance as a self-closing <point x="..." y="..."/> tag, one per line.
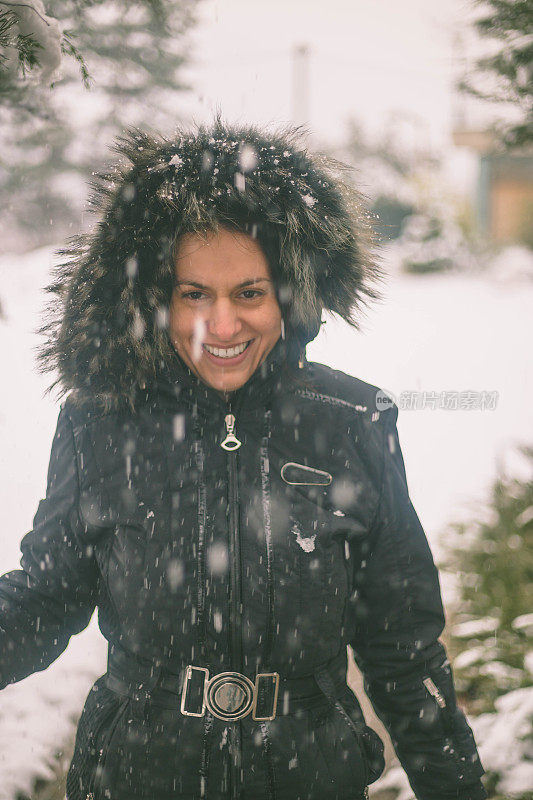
<point x="307" y="543"/>
<point x="300" y="475"/>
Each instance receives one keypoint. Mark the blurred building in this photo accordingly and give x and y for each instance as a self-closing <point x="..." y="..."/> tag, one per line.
<point x="503" y="202"/>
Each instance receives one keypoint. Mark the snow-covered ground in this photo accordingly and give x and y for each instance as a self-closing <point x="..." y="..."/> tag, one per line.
<point x="432" y="334"/>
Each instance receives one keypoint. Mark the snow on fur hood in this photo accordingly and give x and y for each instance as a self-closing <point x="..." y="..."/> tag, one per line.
<point x="107" y="330"/>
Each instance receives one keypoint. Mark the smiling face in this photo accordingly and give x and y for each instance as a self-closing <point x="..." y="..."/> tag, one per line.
<point x="224" y="315"/>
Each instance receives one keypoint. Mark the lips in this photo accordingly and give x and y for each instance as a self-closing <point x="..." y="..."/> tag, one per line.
<point x="227" y="352"/>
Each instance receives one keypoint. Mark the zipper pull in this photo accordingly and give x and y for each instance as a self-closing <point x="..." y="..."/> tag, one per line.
<point x="230" y="442"/>
<point x="434" y="692"/>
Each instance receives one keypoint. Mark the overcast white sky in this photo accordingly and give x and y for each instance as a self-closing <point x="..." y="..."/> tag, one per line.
<point x="369" y="59"/>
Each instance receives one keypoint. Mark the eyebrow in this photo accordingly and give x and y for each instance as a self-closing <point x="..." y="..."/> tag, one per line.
<point x="248" y="282"/>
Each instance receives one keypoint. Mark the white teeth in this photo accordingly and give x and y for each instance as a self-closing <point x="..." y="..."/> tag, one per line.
<point x="227" y="352"/>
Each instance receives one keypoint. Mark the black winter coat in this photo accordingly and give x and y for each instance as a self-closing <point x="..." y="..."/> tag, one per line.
<point x="273" y="557"/>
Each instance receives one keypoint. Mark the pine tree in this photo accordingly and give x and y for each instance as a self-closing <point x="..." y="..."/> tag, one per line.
<point x="509" y="70"/>
<point x="492" y="559"/>
<point x="133" y="53"/>
<point x="33" y="46"/>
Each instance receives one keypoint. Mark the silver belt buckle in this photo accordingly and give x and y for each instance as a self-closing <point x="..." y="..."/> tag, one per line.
<point x="189" y="674"/>
<point x="228" y="695"/>
<point x="275" y="677"/>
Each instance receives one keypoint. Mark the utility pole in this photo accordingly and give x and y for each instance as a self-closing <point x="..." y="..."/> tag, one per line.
<point x="300" y="84"/>
<point x="459" y="72"/>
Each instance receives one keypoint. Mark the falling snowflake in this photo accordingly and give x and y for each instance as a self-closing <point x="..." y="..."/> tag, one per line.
<point x="132" y="267"/>
<point x="138" y="327"/>
<point x="198" y="338"/>
<point x="240" y="182"/>
<point x="178" y="427"/>
<point x="247" y="158"/>
<point x="175" y="574"/>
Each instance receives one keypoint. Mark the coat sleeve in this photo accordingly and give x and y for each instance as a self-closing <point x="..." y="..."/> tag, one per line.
<point x="398" y="617"/>
<point x="53" y="596"/>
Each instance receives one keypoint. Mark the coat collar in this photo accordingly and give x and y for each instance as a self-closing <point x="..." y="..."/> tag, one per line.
<point x="273" y="374"/>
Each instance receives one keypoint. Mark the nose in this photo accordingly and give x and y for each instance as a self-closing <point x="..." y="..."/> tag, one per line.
<point x="223" y="321"/>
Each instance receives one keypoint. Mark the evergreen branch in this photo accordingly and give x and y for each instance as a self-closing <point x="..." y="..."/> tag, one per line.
<point x="26" y="5"/>
<point x="8" y="20"/>
<point x="27" y="47"/>
<point x="68" y="48"/>
<point x="506" y="17"/>
<point x="510" y="22"/>
<point x="489" y="97"/>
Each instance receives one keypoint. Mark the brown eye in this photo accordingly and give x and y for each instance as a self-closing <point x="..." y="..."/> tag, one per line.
<point x="251" y="294"/>
<point x="195" y="295"/>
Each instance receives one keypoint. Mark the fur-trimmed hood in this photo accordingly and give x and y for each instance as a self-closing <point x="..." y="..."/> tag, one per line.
<point x="107" y="332"/>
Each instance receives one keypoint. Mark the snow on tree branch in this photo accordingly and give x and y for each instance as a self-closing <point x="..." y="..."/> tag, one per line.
<point x="35" y="39"/>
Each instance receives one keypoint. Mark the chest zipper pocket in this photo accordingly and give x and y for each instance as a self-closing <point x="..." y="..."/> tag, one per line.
<point x="97" y="776"/>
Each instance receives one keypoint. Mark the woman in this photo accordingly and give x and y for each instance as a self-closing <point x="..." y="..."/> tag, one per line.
<point x="238" y="515"/>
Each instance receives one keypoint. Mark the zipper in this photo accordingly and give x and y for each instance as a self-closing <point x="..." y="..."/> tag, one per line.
<point x="434" y="692"/>
<point x="201" y="515"/>
<point x="234" y="544"/>
<point x="231" y="444"/>
<point x="267" y="523"/>
<point x="332" y="401"/>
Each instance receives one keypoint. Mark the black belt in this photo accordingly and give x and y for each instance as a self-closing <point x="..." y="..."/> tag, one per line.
<point x="228" y="695"/>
